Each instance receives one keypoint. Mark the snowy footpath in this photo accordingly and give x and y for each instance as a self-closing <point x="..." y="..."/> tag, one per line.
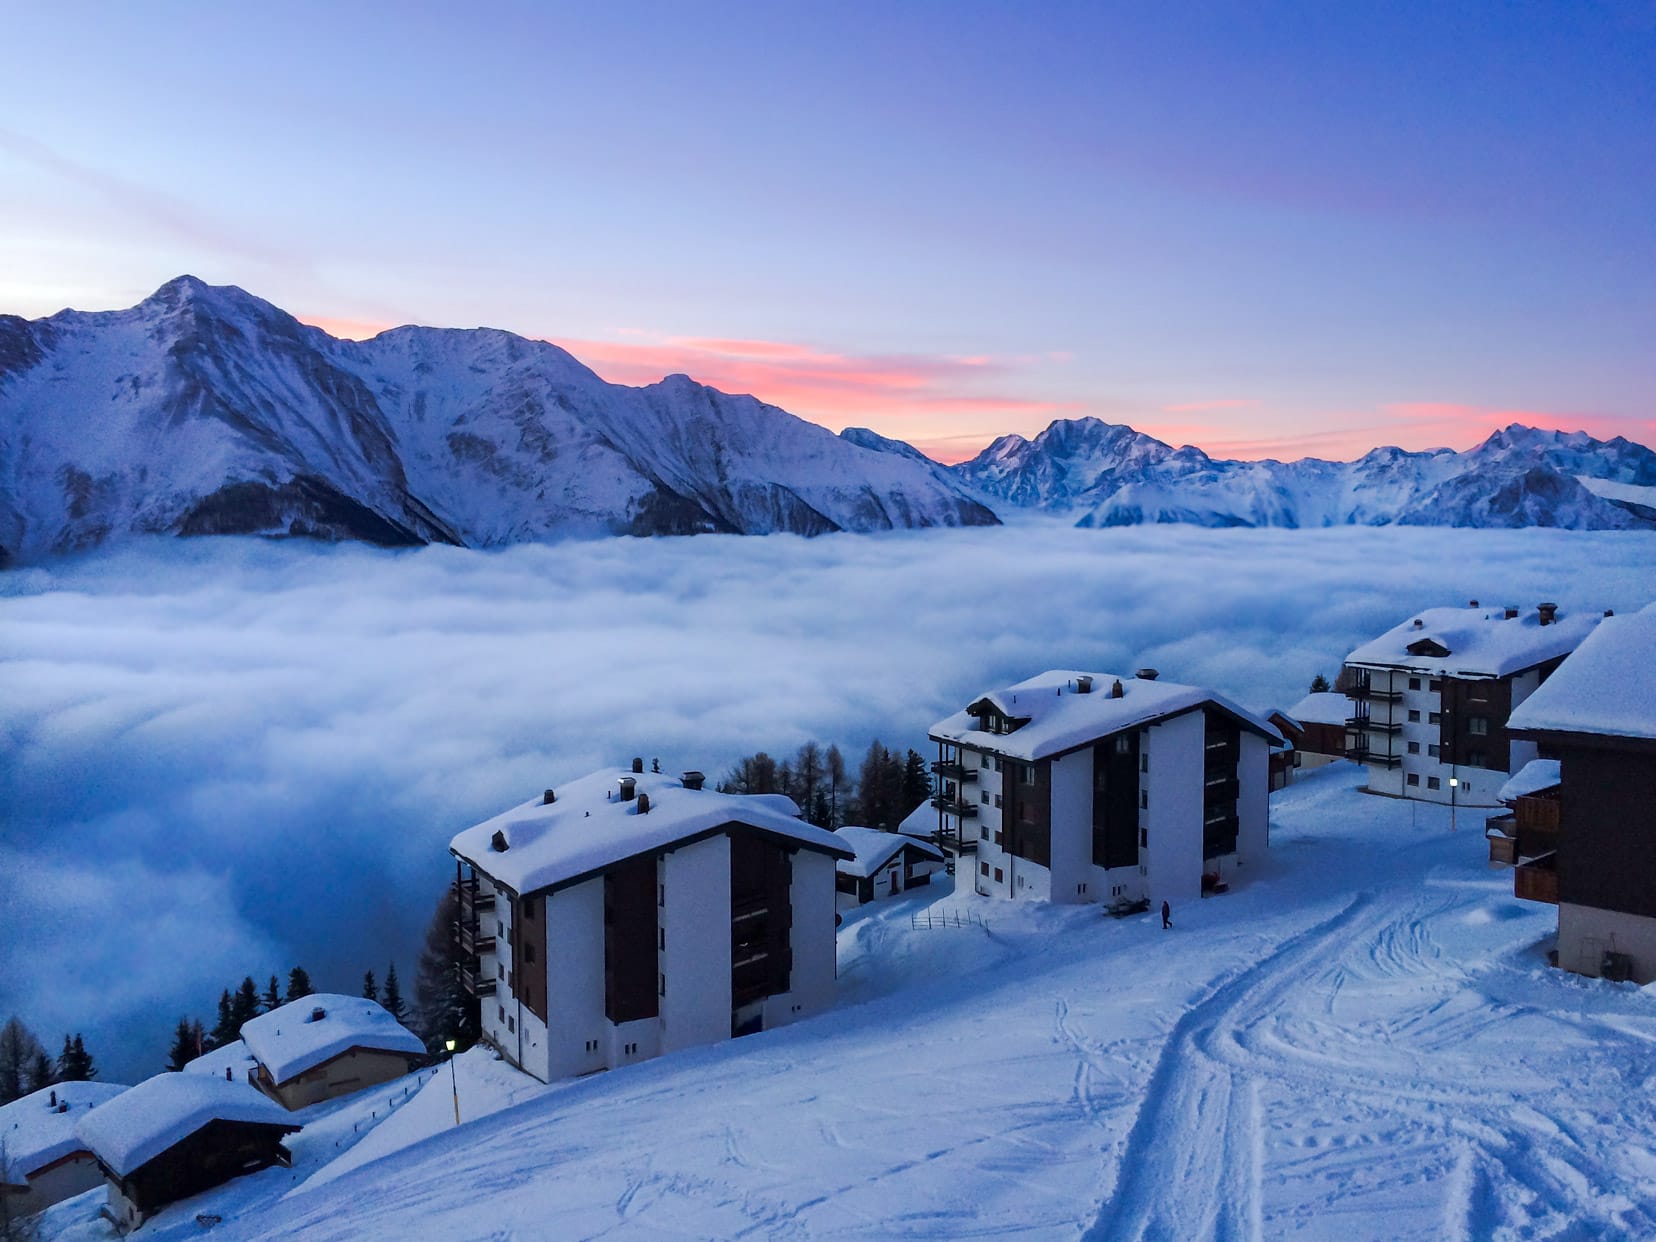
<point x="1361" y="1040"/>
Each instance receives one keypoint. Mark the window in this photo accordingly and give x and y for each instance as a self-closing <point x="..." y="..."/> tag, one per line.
<point x="1435" y="686"/>
<point x="989" y="762"/>
<point x="1434" y="718"/>
<point x="1000" y="838"/>
<point x="511" y="979"/>
<point x="661" y="894"/>
<point x="1144" y="761"/>
<point x="661" y="985"/>
<point x="1144" y="799"/>
<point x="983" y="832"/>
<point x="985" y="797"/>
<point x="1433" y="749"/>
<point x="997" y="800"/>
<point x="592" y="1045"/>
<point x="1478" y="726"/>
<point x="1433" y="782"/>
<point x="1414" y="778"/>
<point x="998" y="875"/>
<point x="983" y="868"/>
<point x="1475" y="759"/>
<point x="661" y="938"/>
<point x="1414" y="683"/>
<point x="500" y="971"/>
<point x="1144" y="838"/>
<point x="1414" y="748"/>
<point x="500" y="928"/>
<point x="511" y="1023"/>
<point x="503" y="1013"/>
<point x="1414" y="715"/>
<point x="1123" y="744"/>
<point x="1026" y="773"/>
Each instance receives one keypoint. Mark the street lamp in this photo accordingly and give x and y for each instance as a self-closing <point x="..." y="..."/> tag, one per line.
<point x="1454" y="784"/>
<point x="455" y="1082"/>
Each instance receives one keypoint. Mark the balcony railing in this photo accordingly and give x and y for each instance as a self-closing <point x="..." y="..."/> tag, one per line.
<point x="952" y="771"/>
<point x="1537" y="879"/>
<point x="1372" y="694"/>
<point x="476" y="983"/>
<point x="957" y="807"/>
<point x="1362" y="754"/>
<point x="475" y="942"/>
<point x="472" y="899"/>
<point x="1368" y="724"/>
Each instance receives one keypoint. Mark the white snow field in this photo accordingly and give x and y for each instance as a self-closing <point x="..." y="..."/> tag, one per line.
<point x="1362" y="1040"/>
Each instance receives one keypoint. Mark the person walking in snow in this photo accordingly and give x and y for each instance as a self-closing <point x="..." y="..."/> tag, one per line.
<point x="1167" y="916"/>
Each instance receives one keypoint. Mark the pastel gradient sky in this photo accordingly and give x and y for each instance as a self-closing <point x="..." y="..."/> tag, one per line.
<point x="1270" y="229"/>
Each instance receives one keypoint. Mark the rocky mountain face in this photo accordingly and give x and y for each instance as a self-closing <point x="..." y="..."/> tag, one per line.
<point x="1106" y="475"/>
<point x="205" y="410"/>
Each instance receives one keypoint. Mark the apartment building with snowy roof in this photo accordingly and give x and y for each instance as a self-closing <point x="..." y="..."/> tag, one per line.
<point x="1088" y="787"/>
<point x="1597" y="716"/>
<point x="42" y="1159"/>
<point x="630" y="913"/>
<point x="1430" y="697"/>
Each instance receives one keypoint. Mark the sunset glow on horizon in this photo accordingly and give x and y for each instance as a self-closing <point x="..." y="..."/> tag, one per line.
<point x="1262" y="230"/>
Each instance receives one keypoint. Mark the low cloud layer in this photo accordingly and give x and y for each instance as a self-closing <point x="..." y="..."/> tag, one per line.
<point x="224" y="757"/>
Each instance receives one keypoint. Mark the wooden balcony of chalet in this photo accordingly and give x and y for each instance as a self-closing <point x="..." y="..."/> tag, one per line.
<point x="1536" y="879"/>
<point x="960" y="808"/>
<point x="949" y="770"/>
<point x="1368" y="724"/>
<point x="472" y="900"/>
<point x="475" y="982"/>
<point x="1360" y="752"/>
<point x="475" y="941"/>
<point x="1364" y="692"/>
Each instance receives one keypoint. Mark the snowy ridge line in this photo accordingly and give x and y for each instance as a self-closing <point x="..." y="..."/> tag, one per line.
<point x="1174" y="1144"/>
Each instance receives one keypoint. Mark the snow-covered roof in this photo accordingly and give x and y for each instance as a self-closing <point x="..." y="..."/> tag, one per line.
<point x="1323" y="707"/>
<point x="139" y="1124"/>
<point x="1481" y="642"/>
<point x="920" y="822"/>
<point x="1533" y="777"/>
<point x="35" y="1131"/>
<point x="875" y="848"/>
<point x="589" y="828"/>
<point x="1607" y="687"/>
<point x="291" y="1038"/>
<point x="1061" y="718"/>
<point x="233" y="1056"/>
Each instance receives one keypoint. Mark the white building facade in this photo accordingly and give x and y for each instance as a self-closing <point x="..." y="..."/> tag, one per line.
<point x="635" y="914"/>
<point x="1431" y="697"/>
<point x="1085" y="787"/>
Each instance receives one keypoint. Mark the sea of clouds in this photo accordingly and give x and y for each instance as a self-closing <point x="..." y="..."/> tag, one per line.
<point x="222" y="757"/>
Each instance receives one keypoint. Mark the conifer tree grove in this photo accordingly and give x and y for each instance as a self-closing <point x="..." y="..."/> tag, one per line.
<point x="20" y="1051"/>
<point x="244" y="1005"/>
<point x="443" y="1009"/>
<point x="183" y="1049"/>
<point x="75" y="1064"/>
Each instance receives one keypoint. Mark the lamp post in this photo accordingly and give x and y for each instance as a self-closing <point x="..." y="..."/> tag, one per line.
<point x="1454" y="784"/>
<point x="455" y="1082"/>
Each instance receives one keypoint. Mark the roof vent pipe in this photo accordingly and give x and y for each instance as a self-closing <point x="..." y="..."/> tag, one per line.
<point x="1083" y="685"/>
<point x="1147" y="674"/>
<point x="498" y="842"/>
<point x="1511" y="614"/>
<point x="318" y="1014"/>
<point x="1116" y="690"/>
<point x="1609" y="612"/>
<point x="638" y="765"/>
<point x="643" y="804"/>
<point x="549" y="797"/>
<point x="1419" y="624"/>
<point x="1549" y="613"/>
<point x="693" y="780"/>
<point x="1472" y="604"/>
<point x="629" y="788"/>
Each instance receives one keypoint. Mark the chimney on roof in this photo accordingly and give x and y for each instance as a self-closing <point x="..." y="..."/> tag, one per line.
<point x="1609" y="612"/>
<point x="1419" y="624"/>
<point x="643" y="804"/>
<point x="52" y="1099"/>
<point x="693" y="780"/>
<point x="549" y="797"/>
<point x="1549" y="613"/>
<point x="1083" y="685"/>
<point x="498" y="842"/>
<point x="629" y="788"/>
<point x="638" y="765"/>
<point x="1147" y="674"/>
<point x="1511" y="613"/>
<point x="1116" y="690"/>
<point x="227" y="1077"/>
<point x="1472" y="603"/>
<point x="318" y="1014"/>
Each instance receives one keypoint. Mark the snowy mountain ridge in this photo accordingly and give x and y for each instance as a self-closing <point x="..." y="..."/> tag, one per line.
<point x="1109" y="475"/>
<point x="206" y="410"/>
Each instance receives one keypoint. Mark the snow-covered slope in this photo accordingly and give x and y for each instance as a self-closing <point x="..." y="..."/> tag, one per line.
<point x="1110" y="475"/>
<point x="206" y="410"/>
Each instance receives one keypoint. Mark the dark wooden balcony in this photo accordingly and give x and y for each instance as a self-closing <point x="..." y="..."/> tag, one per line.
<point x="958" y="807"/>
<point x="1359" y="753"/>
<point x="474" y="941"/>
<point x="476" y="983"/>
<point x="949" y="770"/>
<point x="1537" y="879"/>
<point x="1364" y="692"/>
<point x="1368" y="724"/>
<point x="473" y="900"/>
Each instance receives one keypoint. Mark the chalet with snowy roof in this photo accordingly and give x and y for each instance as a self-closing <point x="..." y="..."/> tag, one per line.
<point x="1597" y="716"/>
<point x="886" y="863"/>
<point x="231" y="1061"/>
<point x="325" y="1045"/>
<point x="630" y="913"/>
<point x="177" y="1135"/>
<point x="45" y="1161"/>
<point x="1529" y="826"/>
<point x="1088" y="787"/>
<point x="1430" y="698"/>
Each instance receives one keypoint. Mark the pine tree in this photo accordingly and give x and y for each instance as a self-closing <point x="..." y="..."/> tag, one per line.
<point x="75" y="1064"/>
<point x="370" y="989"/>
<point x="393" y="998"/>
<point x="225" y="1030"/>
<point x="1319" y="684"/>
<point x="244" y="1005"/>
<point x="808" y="773"/>
<point x="299" y="984"/>
<point x="443" y="1009"/>
<point x="834" y="766"/>
<point x="19" y="1053"/>
<point x="880" y="788"/>
<point x="272" y="998"/>
<point x="42" y="1073"/>
<point x="917" y="784"/>
<point x="183" y="1049"/>
<point x="200" y="1038"/>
